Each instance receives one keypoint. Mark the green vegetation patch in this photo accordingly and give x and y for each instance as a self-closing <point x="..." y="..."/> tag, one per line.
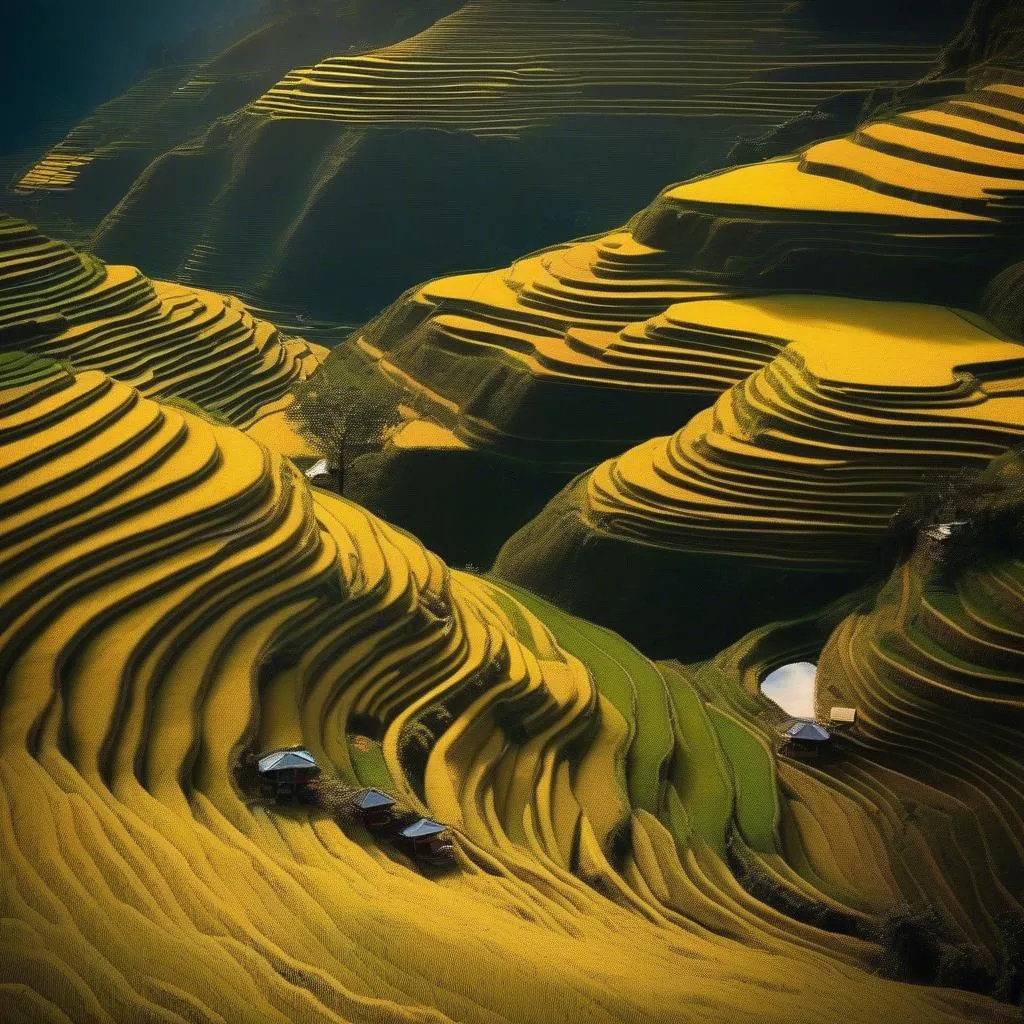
<point x="757" y="803"/>
<point x="631" y="682"/>
<point x="368" y="761"/>
<point x="184" y="405"/>
<point x="701" y="780"/>
<point x="20" y="368"/>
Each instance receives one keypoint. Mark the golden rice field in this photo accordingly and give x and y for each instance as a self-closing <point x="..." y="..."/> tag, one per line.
<point x="806" y="459"/>
<point x="175" y="594"/>
<point x="792" y="441"/>
<point x="937" y="185"/>
<point x="798" y="468"/>
<point x="284" y="167"/>
<point x="166" y="340"/>
<point x="628" y="334"/>
<point x="498" y="69"/>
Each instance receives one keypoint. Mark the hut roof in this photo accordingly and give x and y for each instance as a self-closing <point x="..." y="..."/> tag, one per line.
<point x="808" y="731"/>
<point x="370" y="799"/>
<point x="846" y="715"/>
<point x="423" y="828"/>
<point x="281" y="760"/>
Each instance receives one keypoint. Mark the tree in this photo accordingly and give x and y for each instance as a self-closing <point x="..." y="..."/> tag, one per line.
<point x="343" y="415"/>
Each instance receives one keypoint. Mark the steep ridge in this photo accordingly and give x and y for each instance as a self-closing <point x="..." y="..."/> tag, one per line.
<point x="176" y="595"/>
<point x="77" y="182"/>
<point x="796" y="470"/>
<point x="166" y="340"/>
<point x="655" y="58"/>
<point x="572" y="354"/>
<point x="934" y="667"/>
<point x="919" y="804"/>
<point x="117" y="126"/>
<point x="928" y="203"/>
<point x="374" y="150"/>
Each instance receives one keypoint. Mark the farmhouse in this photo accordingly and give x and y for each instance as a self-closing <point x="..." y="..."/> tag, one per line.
<point x="425" y="839"/>
<point x="806" y="739"/>
<point x="286" y="774"/>
<point x="374" y="807"/>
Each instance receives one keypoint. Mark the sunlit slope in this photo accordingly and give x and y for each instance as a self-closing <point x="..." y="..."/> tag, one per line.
<point x="166" y="340"/>
<point x="934" y="667"/>
<point x="574" y="353"/>
<point x="495" y="68"/>
<point x="921" y="801"/>
<point x="798" y="468"/>
<point x="497" y="356"/>
<point x="175" y="594"/>
<point x="930" y="198"/>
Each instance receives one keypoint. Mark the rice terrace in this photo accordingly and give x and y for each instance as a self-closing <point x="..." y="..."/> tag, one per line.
<point x="512" y="512"/>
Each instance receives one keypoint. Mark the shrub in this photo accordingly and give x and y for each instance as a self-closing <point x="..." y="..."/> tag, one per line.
<point x="911" y="943"/>
<point x="964" y="966"/>
<point x="1009" y="982"/>
<point x="334" y="795"/>
<point x="246" y="774"/>
<point x="414" y="745"/>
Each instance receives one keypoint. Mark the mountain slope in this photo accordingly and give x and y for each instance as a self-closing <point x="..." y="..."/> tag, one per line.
<point x="166" y="340"/>
<point x="176" y="596"/>
<point x="782" y="491"/>
<point x="573" y="354"/>
<point x="373" y="149"/>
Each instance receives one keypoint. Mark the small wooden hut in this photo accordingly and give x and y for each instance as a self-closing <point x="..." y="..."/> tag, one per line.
<point x="286" y="775"/>
<point x="374" y="807"/>
<point x="806" y="739"/>
<point x="842" y="718"/>
<point x="427" y="842"/>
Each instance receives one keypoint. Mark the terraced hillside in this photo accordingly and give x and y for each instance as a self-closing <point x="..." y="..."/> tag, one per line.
<point x="529" y="375"/>
<point x="933" y="665"/>
<point x="780" y="495"/>
<point x="652" y="59"/>
<point x="164" y="339"/>
<point x="920" y="801"/>
<point x="1004" y="301"/>
<point x="376" y="163"/>
<point x="176" y="595"/>
<point x="81" y="178"/>
<point x="931" y="199"/>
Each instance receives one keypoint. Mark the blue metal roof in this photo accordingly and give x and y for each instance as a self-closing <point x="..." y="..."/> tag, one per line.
<point x="281" y="760"/>
<point x="371" y="798"/>
<point x="423" y="828"/>
<point x="808" y="731"/>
